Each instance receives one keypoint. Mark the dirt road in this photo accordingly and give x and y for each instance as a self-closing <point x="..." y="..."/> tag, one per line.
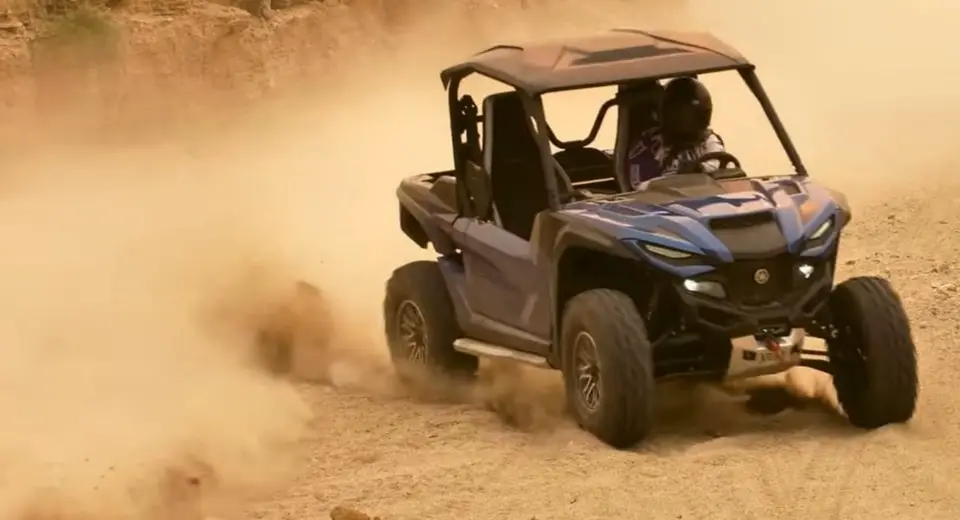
<point x="138" y="272"/>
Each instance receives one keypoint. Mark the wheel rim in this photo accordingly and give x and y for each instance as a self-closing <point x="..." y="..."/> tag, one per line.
<point x="587" y="366"/>
<point x="412" y="331"/>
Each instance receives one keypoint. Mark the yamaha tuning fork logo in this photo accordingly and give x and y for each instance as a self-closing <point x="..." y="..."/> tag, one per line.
<point x="761" y="276"/>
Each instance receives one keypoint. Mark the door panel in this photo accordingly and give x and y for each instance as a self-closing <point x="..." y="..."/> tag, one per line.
<point x="502" y="278"/>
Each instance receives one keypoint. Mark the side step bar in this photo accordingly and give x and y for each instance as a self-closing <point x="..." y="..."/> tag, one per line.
<point x="815" y="359"/>
<point x="481" y="349"/>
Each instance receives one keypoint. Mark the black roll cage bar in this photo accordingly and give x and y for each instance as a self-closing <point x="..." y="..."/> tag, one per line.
<point x="464" y="110"/>
<point x="594" y="130"/>
<point x="468" y="111"/>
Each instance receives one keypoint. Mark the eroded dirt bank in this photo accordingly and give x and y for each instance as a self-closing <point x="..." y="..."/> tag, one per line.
<point x="156" y="201"/>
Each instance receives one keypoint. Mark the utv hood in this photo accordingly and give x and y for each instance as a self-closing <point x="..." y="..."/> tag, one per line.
<point x="721" y="220"/>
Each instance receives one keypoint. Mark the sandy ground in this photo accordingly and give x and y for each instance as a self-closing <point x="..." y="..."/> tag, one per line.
<point x="136" y="274"/>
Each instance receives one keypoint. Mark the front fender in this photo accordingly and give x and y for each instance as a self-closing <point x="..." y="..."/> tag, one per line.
<point x="575" y="238"/>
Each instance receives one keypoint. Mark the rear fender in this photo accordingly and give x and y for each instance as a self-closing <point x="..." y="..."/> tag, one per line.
<point x="455" y="277"/>
<point x="424" y="226"/>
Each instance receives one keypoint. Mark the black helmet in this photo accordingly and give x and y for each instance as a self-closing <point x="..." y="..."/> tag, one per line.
<point x="685" y="111"/>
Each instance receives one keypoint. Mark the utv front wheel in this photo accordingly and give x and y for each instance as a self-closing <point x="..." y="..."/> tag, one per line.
<point x="420" y="323"/>
<point x="872" y="357"/>
<point x="608" y="367"/>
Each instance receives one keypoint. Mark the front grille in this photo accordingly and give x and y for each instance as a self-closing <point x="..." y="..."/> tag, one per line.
<point x="744" y="277"/>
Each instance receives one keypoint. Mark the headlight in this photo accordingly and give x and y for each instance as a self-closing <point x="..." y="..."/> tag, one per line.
<point x="705" y="287"/>
<point x="667" y="252"/>
<point x="822" y="230"/>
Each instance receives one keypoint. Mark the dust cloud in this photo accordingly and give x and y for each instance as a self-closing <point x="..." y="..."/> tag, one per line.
<point x="127" y="389"/>
<point x="132" y="274"/>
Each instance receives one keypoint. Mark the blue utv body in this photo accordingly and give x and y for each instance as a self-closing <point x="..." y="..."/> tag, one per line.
<point x="547" y="256"/>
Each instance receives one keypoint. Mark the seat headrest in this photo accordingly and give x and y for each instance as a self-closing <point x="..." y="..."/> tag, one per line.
<point x="506" y="128"/>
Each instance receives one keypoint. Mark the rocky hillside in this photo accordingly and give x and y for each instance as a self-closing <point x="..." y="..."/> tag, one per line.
<point x="111" y="59"/>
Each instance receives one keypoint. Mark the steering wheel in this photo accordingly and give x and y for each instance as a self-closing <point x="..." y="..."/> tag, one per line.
<point x="725" y="159"/>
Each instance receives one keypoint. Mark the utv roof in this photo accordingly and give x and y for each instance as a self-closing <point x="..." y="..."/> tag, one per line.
<point x="613" y="57"/>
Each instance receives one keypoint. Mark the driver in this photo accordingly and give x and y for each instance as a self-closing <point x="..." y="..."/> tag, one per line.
<point x="683" y="135"/>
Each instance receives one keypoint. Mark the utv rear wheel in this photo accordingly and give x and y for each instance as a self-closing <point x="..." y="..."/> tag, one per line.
<point x="420" y="323"/>
<point x="872" y="357"/>
<point x="608" y="367"/>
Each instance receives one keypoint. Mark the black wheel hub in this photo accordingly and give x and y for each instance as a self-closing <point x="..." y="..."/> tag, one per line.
<point x="849" y="353"/>
<point x="849" y="365"/>
<point x="587" y="367"/>
<point x="412" y="332"/>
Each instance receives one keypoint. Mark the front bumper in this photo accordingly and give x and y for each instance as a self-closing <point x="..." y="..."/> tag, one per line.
<point x="733" y="318"/>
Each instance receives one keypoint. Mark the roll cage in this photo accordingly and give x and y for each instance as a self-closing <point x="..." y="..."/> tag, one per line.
<point x="464" y="115"/>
